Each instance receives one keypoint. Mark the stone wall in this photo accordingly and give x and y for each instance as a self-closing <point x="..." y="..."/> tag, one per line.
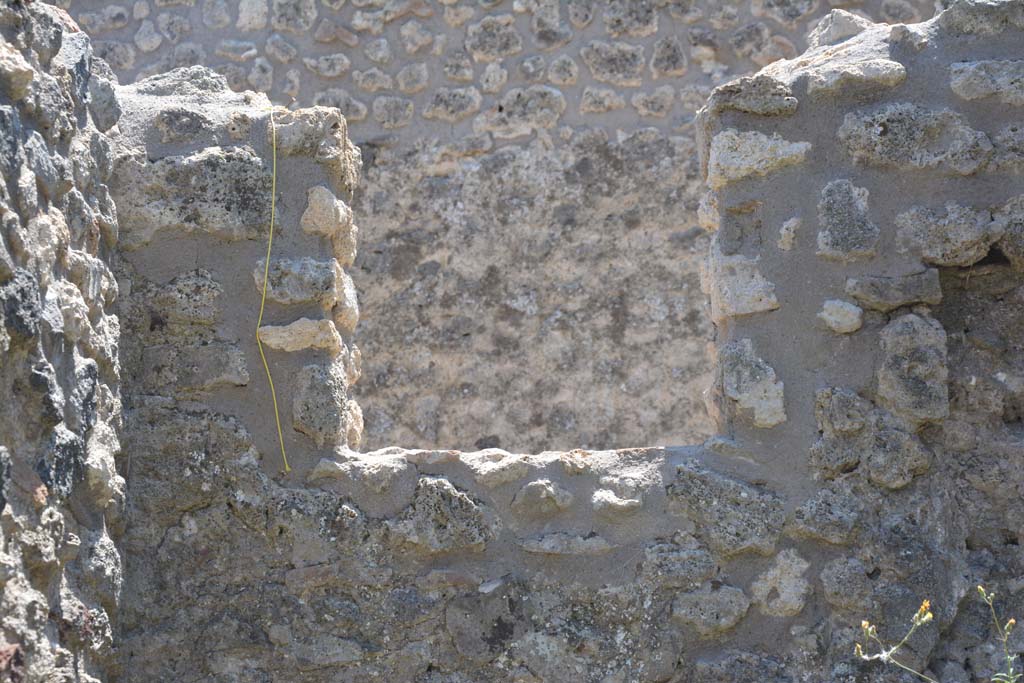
<point x="865" y="284"/>
<point x="62" y="499"/>
<point x="528" y="217"/>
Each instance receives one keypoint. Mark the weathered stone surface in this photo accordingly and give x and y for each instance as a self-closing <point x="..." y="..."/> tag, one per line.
<point x="855" y="433"/>
<point x="782" y="590"/>
<point x="305" y="280"/>
<point x="442" y="518"/>
<point x="1003" y="79"/>
<point x="841" y="317"/>
<point x="615" y="63"/>
<point x="732" y="516"/>
<point x="541" y="497"/>
<point x="562" y="543"/>
<point x="302" y="334"/>
<point x="711" y="610"/>
<point x="831" y="515"/>
<point x="735" y="285"/>
<point x="958" y="236"/>
<point x="321" y="409"/>
<point x="913" y="375"/>
<point x="751" y="383"/>
<point x="885" y="294"/>
<point x="909" y="136"/>
<point x="736" y="155"/>
<point x="521" y="112"/>
<point x="229" y="191"/>
<point x="493" y="38"/>
<point x="847" y="233"/>
<point x="1011" y="219"/>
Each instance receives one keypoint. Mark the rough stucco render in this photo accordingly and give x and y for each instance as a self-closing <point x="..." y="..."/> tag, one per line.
<point x="528" y="219"/>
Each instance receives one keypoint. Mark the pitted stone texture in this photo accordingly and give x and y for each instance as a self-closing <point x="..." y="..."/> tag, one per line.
<point x="910" y="136"/>
<point x="1003" y="79"/>
<point x="751" y="383"/>
<point x="229" y="187"/>
<point x="735" y="285"/>
<point x="737" y="155"/>
<point x="847" y="233"/>
<point x="912" y="379"/>
<point x="782" y="590"/>
<point x="882" y="293"/>
<point x="442" y="518"/>
<point x="854" y="433"/>
<point x="321" y="408"/>
<point x="711" y="610"/>
<point x="955" y="236"/>
<point x="732" y="516"/>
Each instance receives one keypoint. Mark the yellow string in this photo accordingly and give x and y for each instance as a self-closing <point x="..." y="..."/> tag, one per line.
<point x="266" y="278"/>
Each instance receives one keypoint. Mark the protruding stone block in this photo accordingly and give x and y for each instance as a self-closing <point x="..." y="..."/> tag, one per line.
<point x="737" y="155"/>
<point x="301" y="335"/>
<point x="751" y="384"/>
<point x="885" y="294"/>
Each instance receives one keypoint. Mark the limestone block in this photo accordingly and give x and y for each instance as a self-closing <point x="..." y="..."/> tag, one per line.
<point x="675" y="566"/>
<point x="600" y="100"/>
<point x="1011" y="219"/>
<point x="223" y="192"/>
<point x="1002" y="78"/>
<point x="711" y="610"/>
<point x="320" y="132"/>
<point x="830" y="515"/>
<point x="912" y="379"/>
<point x="563" y="70"/>
<point x="734" y="517"/>
<point x="735" y="155"/>
<point x="835" y="27"/>
<point x="854" y="433"/>
<point x="909" y="136"/>
<point x="413" y="78"/>
<point x="668" y="57"/>
<point x="846" y="585"/>
<point x="441" y="518"/>
<point x="885" y="294"/>
<point x="372" y="80"/>
<point x="735" y="285"/>
<point x="636" y="19"/>
<point x="610" y="504"/>
<point x="655" y="103"/>
<point x="325" y="214"/>
<point x="392" y="112"/>
<point x="453" y="104"/>
<point x="958" y="236"/>
<point x="522" y="111"/>
<point x="761" y="95"/>
<point x="302" y="280"/>
<point x="847" y="234"/>
<point x="615" y="63"/>
<point x="841" y="317"/>
<point x="541" y="497"/>
<point x="302" y="334"/>
<point x="493" y="38"/>
<point x="15" y="72"/>
<point x="751" y="384"/>
<point x="320" y="407"/>
<point x="781" y="591"/>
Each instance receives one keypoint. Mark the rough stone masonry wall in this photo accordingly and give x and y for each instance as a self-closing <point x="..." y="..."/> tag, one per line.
<point x="866" y="285"/>
<point x="528" y="218"/>
<point x="62" y="499"/>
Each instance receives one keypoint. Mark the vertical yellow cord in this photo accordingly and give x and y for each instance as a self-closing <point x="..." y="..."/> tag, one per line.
<point x="266" y="278"/>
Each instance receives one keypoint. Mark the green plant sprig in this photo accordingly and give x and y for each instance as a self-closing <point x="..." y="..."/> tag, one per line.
<point x="1010" y="675"/>
<point x="887" y="655"/>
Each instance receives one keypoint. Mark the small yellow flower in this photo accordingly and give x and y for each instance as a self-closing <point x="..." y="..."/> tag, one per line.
<point x="865" y="624"/>
<point x="925" y="606"/>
